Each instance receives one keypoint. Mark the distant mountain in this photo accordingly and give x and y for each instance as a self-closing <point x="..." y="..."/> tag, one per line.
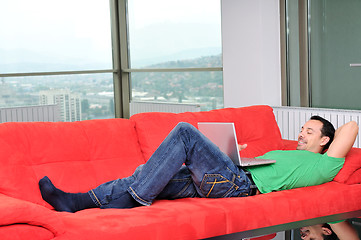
<point x="10" y="62"/>
<point x="200" y="62"/>
<point x="182" y="85"/>
<point x="179" y="56"/>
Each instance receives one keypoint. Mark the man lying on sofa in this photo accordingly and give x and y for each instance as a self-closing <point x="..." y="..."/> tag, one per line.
<point x="208" y="172"/>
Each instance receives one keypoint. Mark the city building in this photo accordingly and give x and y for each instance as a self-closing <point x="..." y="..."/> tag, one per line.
<point x="69" y="103"/>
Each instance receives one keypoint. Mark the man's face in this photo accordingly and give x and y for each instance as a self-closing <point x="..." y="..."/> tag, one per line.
<point x="310" y="138"/>
<point x="314" y="232"/>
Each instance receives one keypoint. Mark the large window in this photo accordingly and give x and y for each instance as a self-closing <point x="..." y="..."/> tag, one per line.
<point x="92" y="58"/>
<point x="57" y="52"/>
<point x="323" y="53"/>
<point x="175" y="51"/>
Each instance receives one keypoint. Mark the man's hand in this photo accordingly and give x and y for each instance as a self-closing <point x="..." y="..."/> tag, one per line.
<point x="242" y="146"/>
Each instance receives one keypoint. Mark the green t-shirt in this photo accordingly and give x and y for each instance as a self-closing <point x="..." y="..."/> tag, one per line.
<point x="294" y="169"/>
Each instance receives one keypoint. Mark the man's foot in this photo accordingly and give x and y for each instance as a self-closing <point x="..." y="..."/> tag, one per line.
<point x="62" y="201"/>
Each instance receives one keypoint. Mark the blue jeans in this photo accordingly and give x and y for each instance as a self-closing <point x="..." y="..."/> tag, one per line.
<point x="207" y="172"/>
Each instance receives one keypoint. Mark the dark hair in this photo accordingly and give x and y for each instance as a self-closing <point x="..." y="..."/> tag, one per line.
<point x="333" y="235"/>
<point x="327" y="130"/>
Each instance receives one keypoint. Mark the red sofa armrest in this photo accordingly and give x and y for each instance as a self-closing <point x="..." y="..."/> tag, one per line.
<point x="15" y="211"/>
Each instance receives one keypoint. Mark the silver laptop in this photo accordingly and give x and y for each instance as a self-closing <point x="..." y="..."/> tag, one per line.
<point x="224" y="136"/>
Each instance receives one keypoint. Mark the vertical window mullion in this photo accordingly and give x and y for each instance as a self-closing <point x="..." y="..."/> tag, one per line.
<point x="120" y="58"/>
<point x="304" y="60"/>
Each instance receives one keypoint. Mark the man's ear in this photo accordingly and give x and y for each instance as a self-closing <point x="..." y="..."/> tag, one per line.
<point x="326" y="231"/>
<point x="324" y="140"/>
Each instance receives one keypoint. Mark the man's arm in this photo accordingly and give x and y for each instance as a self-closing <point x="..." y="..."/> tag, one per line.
<point x="345" y="137"/>
<point x="345" y="231"/>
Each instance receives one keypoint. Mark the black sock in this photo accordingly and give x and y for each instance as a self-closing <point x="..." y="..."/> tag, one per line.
<point x="62" y="201"/>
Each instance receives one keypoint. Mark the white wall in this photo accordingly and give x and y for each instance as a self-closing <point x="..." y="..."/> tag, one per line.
<point x="251" y="52"/>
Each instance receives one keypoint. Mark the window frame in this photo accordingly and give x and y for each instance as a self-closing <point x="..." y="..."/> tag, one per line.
<point x="122" y="57"/>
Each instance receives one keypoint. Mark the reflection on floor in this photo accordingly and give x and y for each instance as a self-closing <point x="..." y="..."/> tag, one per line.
<point x="295" y="234"/>
<point x="356" y="223"/>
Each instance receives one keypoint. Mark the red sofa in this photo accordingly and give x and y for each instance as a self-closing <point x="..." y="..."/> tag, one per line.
<point x="78" y="156"/>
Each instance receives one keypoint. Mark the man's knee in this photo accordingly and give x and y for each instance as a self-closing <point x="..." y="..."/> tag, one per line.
<point x="185" y="126"/>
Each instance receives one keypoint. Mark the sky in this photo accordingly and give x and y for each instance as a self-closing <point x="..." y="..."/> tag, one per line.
<point x="200" y="11"/>
<point x="66" y="29"/>
<point x="79" y="30"/>
<point x="173" y="27"/>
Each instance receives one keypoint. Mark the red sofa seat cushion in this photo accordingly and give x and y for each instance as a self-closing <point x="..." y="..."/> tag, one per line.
<point x="254" y="125"/>
<point x="77" y="156"/>
<point x="199" y="218"/>
<point x="24" y="231"/>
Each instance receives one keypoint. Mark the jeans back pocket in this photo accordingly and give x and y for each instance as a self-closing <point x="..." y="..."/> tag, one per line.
<point x="217" y="186"/>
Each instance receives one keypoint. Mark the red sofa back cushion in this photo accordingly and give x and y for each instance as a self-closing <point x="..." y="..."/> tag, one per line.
<point x="77" y="156"/>
<point x="351" y="170"/>
<point x="254" y="125"/>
